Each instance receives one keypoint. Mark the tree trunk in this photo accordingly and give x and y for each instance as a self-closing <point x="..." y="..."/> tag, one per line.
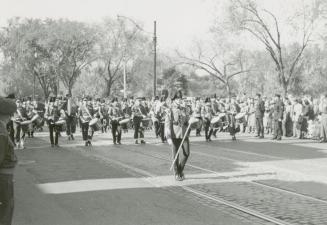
<point x="70" y="88"/>
<point x="109" y="86"/>
<point x="228" y="89"/>
<point x="285" y="89"/>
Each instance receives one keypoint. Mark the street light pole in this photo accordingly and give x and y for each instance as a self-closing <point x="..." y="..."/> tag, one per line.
<point x="125" y="94"/>
<point x="155" y="60"/>
<point x="35" y="57"/>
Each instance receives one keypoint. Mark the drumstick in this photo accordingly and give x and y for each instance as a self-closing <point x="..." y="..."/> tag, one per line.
<point x="180" y="147"/>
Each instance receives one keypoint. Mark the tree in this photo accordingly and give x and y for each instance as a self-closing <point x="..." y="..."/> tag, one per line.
<point x="222" y="64"/>
<point x="170" y="76"/>
<point x="264" y="26"/>
<point x="72" y="45"/>
<point x="117" y="48"/>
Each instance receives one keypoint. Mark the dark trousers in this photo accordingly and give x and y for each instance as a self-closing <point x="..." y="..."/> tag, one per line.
<point x="115" y="131"/>
<point x="85" y="131"/>
<point x="207" y="128"/>
<point x="232" y="124"/>
<point x="278" y="129"/>
<point x="183" y="155"/>
<point x="259" y="126"/>
<point x="6" y="198"/>
<point x="199" y="128"/>
<point x="54" y="131"/>
<point x="11" y="131"/>
<point x="104" y="122"/>
<point x="162" y="131"/>
<point x="18" y="132"/>
<point x="157" y="128"/>
<point x="138" y="130"/>
<point x="71" y="125"/>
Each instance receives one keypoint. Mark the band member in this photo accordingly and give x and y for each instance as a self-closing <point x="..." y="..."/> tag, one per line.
<point x="19" y="130"/>
<point x="115" y="114"/>
<point x="53" y="114"/>
<point x="155" y="110"/>
<point x="86" y="115"/>
<point x="161" y="117"/>
<point x="127" y="111"/>
<point x="232" y="109"/>
<point x="207" y="114"/>
<point x="216" y="109"/>
<point x="70" y="111"/>
<point x="138" y="113"/>
<point x="105" y="119"/>
<point x="176" y="124"/>
<point x="196" y="108"/>
<point x="8" y="162"/>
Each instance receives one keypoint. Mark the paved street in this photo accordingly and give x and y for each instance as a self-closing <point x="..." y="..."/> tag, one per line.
<point x="250" y="181"/>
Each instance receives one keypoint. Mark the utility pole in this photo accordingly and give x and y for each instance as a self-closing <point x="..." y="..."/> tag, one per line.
<point x="34" y="68"/>
<point x="155" y="60"/>
<point x="125" y="94"/>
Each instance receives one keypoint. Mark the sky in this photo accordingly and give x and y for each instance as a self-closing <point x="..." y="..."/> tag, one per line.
<point x="179" y="22"/>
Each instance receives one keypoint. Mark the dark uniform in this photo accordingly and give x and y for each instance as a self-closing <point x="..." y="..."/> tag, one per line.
<point x="115" y="115"/>
<point x="176" y="124"/>
<point x="138" y="112"/>
<point x="53" y="114"/>
<point x="278" y="112"/>
<point x="86" y="114"/>
<point x="259" y="113"/>
<point x="207" y="114"/>
<point x="71" y="117"/>
<point x="8" y="162"/>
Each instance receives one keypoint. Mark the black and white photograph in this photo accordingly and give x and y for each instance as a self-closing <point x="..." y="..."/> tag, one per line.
<point x="163" y="112"/>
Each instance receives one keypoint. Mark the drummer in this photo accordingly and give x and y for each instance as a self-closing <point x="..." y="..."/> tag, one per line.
<point x="115" y="114"/>
<point x="86" y="114"/>
<point x="207" y="114"/>
<point x="138" y="113"/>
<point x="52" y="115"/>
<point x="19" y="116"/>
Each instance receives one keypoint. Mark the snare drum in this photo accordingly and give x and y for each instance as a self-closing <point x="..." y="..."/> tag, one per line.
<point x="195" y="123"/>
<point x="60" y="122"/>
<point x="93" y="121"/>
<point x="215" y="120"/>
<point x="239" y="116"/>
<point x="39" y="122"/>
<point x="124" y="121"/>
<point x="61" y="127"/>
<point x="26" y="122"/>
<point x="96" y="126"/>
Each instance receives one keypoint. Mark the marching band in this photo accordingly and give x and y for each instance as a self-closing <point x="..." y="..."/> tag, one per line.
<point x="173" y="120"/>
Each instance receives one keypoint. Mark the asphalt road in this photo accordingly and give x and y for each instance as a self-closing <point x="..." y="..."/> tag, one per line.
<point x="248" y="181"/>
